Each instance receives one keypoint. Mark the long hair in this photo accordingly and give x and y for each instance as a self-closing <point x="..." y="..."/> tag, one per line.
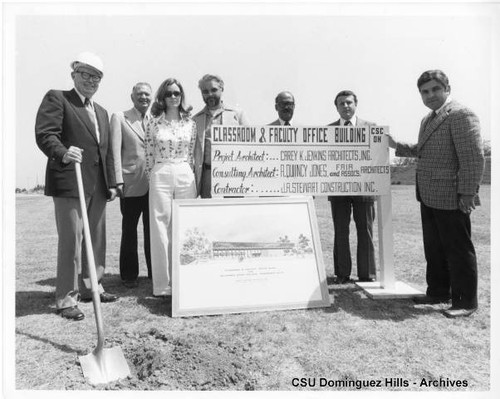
<point x="159" y="106"/>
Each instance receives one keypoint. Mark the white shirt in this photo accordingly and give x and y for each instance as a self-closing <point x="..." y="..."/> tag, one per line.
<point x="353" y="121"/>
<point x="90" y="109"/>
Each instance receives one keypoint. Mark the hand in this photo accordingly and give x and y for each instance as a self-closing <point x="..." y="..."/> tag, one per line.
<point x="119" y="190"/>
<point x="466" y="203"/>
<point x="74" y="154"/>
<point x="112" y="194"/>
<point x="392" y="143"/>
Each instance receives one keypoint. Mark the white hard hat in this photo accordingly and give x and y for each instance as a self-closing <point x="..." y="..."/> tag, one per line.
<point x="89" y="59"/>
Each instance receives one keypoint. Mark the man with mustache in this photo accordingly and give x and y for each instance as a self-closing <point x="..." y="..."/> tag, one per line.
<point x="127" y="141"/>
<point x="285" y="105"/>
<point x="450" y="165"/>
<point x="215" y="112"/>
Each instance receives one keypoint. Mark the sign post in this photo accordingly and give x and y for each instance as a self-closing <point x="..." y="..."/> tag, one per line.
<point x="260" y="161"/>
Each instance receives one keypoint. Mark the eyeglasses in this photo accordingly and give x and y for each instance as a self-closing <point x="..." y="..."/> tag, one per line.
<point x="170" y="94"/>
<point x="88" y="76"/>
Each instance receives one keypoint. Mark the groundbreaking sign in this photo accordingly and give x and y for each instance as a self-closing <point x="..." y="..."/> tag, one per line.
<point x="289" y="160"/>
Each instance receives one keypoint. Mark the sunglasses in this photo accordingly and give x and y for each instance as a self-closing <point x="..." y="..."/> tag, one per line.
<point x="170" y="94"/>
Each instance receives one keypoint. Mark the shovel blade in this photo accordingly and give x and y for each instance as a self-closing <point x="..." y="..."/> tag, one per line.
<point x="104" y="366"/>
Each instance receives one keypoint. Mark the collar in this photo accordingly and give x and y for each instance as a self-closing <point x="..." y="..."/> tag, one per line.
<point x="218" y="111"/>
<point x="137" y="113"/>
<point x="282" y="122"/>
<point x="82" y="97"/>
<point x="446" y="102"/>
<point x="353" y="120"/>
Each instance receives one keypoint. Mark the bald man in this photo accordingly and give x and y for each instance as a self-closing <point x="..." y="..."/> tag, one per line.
<point x="285" y="105"/>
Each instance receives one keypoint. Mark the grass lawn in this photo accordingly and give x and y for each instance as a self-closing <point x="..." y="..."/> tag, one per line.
<point x="355" y="339"/>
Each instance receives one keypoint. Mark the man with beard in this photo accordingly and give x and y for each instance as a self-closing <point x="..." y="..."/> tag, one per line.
<point x="71" y="127"/>
<point x="450" y="165"/>
<point x="127" y="141"/>
<point x="214" y="113"/>
<point x="285" y="105"/>
<point x="362" y="207"/>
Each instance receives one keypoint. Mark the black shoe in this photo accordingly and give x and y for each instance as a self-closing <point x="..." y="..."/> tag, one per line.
<point x="366" y="280"/>
<point x="72" y="313"/>
<point x="453" y="313"/>
<point x="105" y="298"/>
<point x="342" y="280"/>
<point x="130" y="283"/>
<point x="430" y="300"/>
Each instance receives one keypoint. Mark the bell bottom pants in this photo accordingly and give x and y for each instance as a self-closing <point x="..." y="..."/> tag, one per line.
<point x="168" y="181"/>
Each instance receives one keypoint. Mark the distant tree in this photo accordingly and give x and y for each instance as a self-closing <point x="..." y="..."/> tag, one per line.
<point x="195" y="244"/>
<point x="404" y="161"/>
<point x="303" y="245"/>
<point x="487" y="148"/>
<point x="285" y="240"/>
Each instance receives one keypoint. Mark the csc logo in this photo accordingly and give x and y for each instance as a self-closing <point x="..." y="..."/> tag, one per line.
<point x="304" y="382"/>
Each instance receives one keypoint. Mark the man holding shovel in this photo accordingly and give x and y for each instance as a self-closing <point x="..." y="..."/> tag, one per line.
<point x="70" y="127"/>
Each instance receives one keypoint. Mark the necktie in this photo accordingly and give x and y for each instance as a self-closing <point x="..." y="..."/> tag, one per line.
<point x="287" y="123"/>
<point x="431" y="118"/>
<point x="91" y="113"/>
<point x="347" y="123"/>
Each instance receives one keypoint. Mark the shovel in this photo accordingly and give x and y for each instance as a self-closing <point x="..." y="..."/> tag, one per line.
<point x="103" y="364"/>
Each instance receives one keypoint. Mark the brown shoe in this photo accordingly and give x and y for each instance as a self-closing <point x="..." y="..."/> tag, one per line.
<point x="130" y="283"/>
<point x="342" y="280"/>
<point x="453" y="313"/>
<point x="72" y="313"/>
<point x="105" y="298"/>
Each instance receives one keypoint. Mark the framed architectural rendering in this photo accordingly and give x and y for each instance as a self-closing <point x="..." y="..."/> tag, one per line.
<point x="244" y="255"/>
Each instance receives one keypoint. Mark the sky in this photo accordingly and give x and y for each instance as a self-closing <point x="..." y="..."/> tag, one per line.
<point x="312" y="52"/>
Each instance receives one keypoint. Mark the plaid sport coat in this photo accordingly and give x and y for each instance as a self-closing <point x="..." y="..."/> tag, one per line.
<point x="450" y="158"/>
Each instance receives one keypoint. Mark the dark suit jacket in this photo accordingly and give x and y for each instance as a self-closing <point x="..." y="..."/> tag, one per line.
<point x="359" y="122"/>
<point x="450" y="158"/>
<point x="62" y="121"/>
<point x="275" y="123"/>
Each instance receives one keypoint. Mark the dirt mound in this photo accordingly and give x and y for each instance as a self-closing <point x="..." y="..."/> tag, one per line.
<point x="158" y="360"/>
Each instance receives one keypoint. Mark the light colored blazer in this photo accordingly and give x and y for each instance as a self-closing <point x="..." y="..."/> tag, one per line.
<point x="127" y="143"/>
<point x="230" y="116"/>
<point x="450" y="159"/>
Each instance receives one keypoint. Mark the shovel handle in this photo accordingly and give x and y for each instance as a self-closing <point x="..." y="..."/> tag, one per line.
<point x="94" y="285"/>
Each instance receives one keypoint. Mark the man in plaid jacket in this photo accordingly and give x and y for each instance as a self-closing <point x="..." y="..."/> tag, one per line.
<point x="450" y="165"/>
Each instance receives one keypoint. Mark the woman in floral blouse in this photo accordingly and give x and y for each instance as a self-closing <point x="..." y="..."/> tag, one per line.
<point x="170" y="138"/>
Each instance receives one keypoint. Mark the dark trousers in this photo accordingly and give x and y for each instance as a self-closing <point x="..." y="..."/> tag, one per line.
<point x="363" y="211"/>
<point x="450" y="256"/>
<point x="206" y="181"/>
<point x="132" y="208"/>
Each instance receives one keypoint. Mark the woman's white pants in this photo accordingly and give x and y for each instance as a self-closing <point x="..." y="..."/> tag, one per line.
<point x="168" y="181"/>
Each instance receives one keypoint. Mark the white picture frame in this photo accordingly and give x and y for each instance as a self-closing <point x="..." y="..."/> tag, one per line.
<point x="246" y="255"/>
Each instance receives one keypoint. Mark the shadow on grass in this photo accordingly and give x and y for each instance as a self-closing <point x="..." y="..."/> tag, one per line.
<point x="352" y="300"/>
<point x="64" y="348"/>
<point x="34" y="302"/>
<point x="161" y="306"/>
<point x="47" y="282"/>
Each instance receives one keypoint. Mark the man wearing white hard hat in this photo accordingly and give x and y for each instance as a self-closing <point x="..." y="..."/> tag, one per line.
<point x="70" y="127"/>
